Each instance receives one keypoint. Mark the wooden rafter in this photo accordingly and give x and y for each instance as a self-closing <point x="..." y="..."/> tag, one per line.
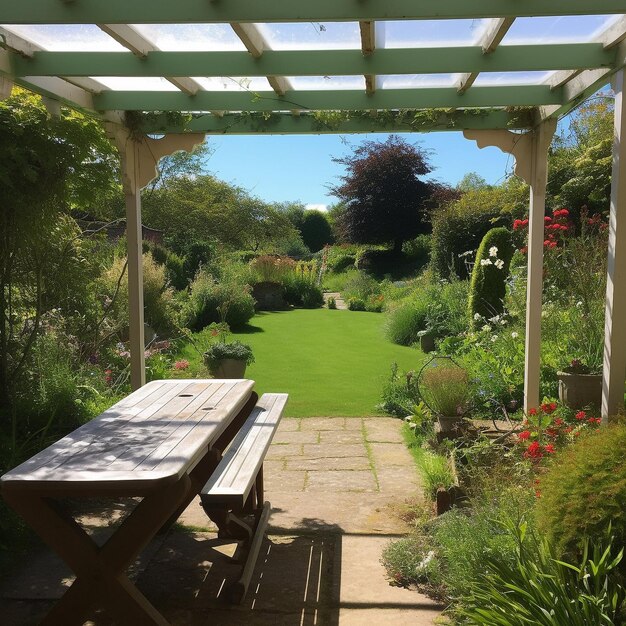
<point x="490" y="40"/>
<point x="368" y="45"/>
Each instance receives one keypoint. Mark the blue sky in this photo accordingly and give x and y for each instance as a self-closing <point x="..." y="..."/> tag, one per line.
<point x="299" y="167"/>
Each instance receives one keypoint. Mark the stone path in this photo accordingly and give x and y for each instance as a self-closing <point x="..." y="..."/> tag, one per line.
<point x="335" y="484"/>
<point x="338" y="299"/>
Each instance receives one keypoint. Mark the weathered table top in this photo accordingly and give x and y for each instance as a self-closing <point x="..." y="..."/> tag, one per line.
<point x="148" y="439"/>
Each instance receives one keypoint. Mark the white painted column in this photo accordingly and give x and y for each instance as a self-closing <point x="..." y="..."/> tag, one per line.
<point x="614" y="370"/>
<point x="531" y="164"/>
<point x="541" y="138"/>
<point x="132" y="193"/>
<point x="140" y="156"/>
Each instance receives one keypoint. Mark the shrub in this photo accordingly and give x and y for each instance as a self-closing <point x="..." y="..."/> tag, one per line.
<point x="175" y="270"/>
<point x="405" y="322"/>
<point x="360" y="285"/>
<point x="356" y="304"/>
<point x="445" y="389"/>
<point x="488" y="283"/>
<point x="301" y="292"/>
<point x="342" y="262"/>
<point x="375" y="303"/>
<point x="207" y="297"/>
<point x="584" y="490"/>
<point x="233" y="350"/>
<point x="399" y="394"/>
<point x="271" y="269"/>
<point x="434" y="470"/>
<point x="332" y="303"/>
<point x="418" y="249"/>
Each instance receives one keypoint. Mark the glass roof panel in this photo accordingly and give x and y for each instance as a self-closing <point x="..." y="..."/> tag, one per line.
<point x="511" y="78"/>
<point x="234" y="83"/>
<point x="312" y="35"/>
<point x="563" y="29"/>
<point x="311" y="83"/>
<point x="416" y="33"/>
<point x="190" y="37"/>
<point x="136" y="83"/>
<point x="408" y="81"/>
<point x="66" y="37"/>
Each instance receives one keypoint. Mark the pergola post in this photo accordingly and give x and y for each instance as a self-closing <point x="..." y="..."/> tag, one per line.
<point x="140" y="156"/>
<point x="531" y="164"/>
<point x="541" y="139"/>
<point x="614" y="370"/>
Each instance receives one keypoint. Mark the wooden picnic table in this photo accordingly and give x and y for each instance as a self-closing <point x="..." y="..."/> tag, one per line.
<point x="162" y="443"/>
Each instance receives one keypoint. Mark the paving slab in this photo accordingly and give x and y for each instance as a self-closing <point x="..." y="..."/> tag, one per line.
<point x="328" y="463"/>
<point x="288" y="424"/>
<point x="323" y="423"/>
<point x="310" y="436"/>
<point x="340" y="480"/>
<point x="340" y="436"/>
<point x="383" y="429"/>
<point x="281" y="451"/>
<point x="326" y="450"/>
<point x="390" y="455"/>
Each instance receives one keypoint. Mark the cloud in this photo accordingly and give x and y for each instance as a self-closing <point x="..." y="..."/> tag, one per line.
<point x="316" y="207"/>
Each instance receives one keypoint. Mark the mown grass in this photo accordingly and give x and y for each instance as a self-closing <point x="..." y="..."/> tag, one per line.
<point x="332" y="363"/>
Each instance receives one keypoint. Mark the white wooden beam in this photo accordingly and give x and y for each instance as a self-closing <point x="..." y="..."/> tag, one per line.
<point x="130" y="38"/>
<point x="531" y="164"/>
<point x="75" y="91"/>
<point x="255" y="43"/>
<point x="614" y="370"/>
<point x="368" y="45"/>
<point x="491" y="38"/>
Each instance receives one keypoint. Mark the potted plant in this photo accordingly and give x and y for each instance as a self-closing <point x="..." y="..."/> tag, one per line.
<point x="427" y="340"/>
<point x="579" y="385"/>
<point x="444" y="388"/>
<point x="226" y="359"/>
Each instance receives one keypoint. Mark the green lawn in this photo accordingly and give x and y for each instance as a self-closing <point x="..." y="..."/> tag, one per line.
<point x="330" y="362"/>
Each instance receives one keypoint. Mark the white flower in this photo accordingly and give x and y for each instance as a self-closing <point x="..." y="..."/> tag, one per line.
<point x="515" y="335"/>
<point x="485" y="261"/>
<point x="493" y="251"/>
<point x="494" y="338"/>
<point x="494" y="319"/>
<point x="499" y="264"/>
<point x="486" y="327"/>
<point x="503" y="322"/>
<point x="579" y="303"/>
<point x="477" y="316"/>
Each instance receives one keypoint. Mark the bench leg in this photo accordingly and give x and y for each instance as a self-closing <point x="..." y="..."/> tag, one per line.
<point x="237" y="591"/>
<point x="100" y="571"/>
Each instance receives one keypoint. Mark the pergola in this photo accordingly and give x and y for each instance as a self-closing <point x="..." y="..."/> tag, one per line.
<point x="501" y="71"/>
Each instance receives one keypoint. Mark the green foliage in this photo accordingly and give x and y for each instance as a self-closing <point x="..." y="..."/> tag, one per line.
<point x="418" y="250"/>
<point x="315" y="230"/>
<point x="404" y="322"/>
<point x="175" y="270"/>
<point x="584" y="490"/>
<point x="300" y="291"/>
<point x="399" y="393"/>
<point x="219" y="351"/>
<point x="359" y="285"/>
<point x="444" y="388"/>
<point x="491" y="270"/>
<point x="538" y="588"/>
<point x="459" y="227"/>
<point x="271" y="269"/>
<point x="356" y="304"/>
<point x="341" y="262"/>
<point x="331" y="303"/>
<point x="209" y="299"/>
<point x="434" y="470"/>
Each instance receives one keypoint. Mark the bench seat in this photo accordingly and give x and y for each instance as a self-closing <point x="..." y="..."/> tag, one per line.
<point x="232" y="481"/>
<point x="235" y="488"/>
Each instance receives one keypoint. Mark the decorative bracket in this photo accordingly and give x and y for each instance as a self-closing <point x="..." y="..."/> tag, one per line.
<point x="140" y="156"/>
<point x="521" y="146"/>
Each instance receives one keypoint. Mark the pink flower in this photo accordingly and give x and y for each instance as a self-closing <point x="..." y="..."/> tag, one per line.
<point x="181" y="365"/>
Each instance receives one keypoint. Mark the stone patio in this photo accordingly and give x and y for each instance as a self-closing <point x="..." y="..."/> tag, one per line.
<point x="335" y="485"/>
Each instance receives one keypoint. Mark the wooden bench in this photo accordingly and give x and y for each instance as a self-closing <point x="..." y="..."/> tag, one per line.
<point x="235" y="488"/>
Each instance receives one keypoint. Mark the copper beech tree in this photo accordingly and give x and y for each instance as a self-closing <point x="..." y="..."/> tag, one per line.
<point x="385" y="197"/>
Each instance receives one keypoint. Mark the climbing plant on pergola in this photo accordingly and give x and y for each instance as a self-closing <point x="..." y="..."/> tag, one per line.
<point x="186" y="69"/>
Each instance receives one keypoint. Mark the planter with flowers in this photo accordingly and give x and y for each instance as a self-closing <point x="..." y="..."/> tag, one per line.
<point x="579" y="386"/>
<point x="226" y="359"/>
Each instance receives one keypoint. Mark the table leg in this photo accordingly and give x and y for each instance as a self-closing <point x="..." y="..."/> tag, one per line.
<point x="100" y="571"/>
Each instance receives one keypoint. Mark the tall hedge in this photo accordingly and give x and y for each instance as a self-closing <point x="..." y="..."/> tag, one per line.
<point x="491" y="269"/>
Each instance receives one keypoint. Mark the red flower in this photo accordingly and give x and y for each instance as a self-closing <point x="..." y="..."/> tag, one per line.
<point x="537" y="494"/>
<point x="549" y="448"/>
<point x="532" y="411"/>
<point x="517" y="224"/>
<point x="552" y="244"/>
<point x="547" y="219"/>
<point x="524" y="249"/>
<point x="558" y="422"/>
<point x="549" y="407"/>
<point x="547" y="242"/>
<point x="534" y="451"/>
<point x="580" y="415"/>
<point x="525" y="434"/>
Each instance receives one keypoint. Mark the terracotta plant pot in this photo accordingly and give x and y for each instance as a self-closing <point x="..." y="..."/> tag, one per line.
<point x="577" y="391"/>
<point x="230" y="368"/>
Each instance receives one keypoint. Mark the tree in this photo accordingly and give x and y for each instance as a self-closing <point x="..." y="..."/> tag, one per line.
<point x="471" y="182"/>
<point x="383" y="193"/>
<point x="315" y="230"/>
